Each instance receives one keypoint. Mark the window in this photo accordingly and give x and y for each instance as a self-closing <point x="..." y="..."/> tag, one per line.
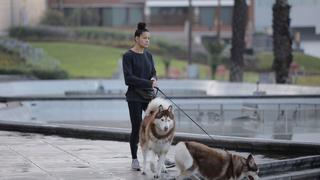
<point x="135" y="15"/>
<point x="226" y="15"/>
<point x="122" y="16"/>
<point x="206" y="16"/>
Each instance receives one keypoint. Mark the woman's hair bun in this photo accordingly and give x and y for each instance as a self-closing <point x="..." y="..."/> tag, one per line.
<point x="142" y="26"/>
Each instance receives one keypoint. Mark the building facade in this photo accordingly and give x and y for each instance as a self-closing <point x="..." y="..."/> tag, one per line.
<point x="169" y="15"/>
<point x="108" y="13"/>
<point x="20" y="12"/>
<point x="174" y="13"/>
<point x="167" y="18"/>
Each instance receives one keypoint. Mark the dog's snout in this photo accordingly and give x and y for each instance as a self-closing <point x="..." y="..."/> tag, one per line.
<point x="166" y="128"/>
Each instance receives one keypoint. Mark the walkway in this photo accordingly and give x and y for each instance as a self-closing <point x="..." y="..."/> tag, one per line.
<point x="27" y="156"/>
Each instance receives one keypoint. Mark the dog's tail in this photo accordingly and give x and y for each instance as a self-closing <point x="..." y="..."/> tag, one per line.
<point x="183" y="157"/>
<point x="155" y="103"/>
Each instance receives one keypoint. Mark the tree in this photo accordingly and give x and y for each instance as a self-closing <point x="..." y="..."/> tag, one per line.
<point x="166" y="59"/>
<point x="53" y="18"/>
<point x="282" y="42"/>
<point x="214" y="49"/>
<point x="239" y="23"/>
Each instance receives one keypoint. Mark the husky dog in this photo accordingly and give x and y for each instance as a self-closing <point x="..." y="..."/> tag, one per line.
<point x="213" y="164"/>
<point x="156" y="134"/>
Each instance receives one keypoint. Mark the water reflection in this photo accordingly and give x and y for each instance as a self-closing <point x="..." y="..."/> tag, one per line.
<point x="282" y="127"/>
<point x="260" y="120"/>
<point x="291" y="120"/>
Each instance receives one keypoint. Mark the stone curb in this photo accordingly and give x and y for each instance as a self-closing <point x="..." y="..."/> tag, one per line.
<point x="121" y="134"/>
<point x="307" y="174"/>
<point x="289" y="165"/>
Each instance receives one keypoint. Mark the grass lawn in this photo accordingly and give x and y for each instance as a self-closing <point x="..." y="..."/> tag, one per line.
<point x="308" y="63"/>
<point x="251" y="77"/>
<point x="309" y="80"/>
<point x="94" y="61"/>
<point x="83" y="60"/>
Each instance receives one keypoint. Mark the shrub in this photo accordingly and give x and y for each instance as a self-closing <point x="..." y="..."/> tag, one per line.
<point x="40" y="33"/>
<point x="36" y="61"/>
<point x="85" y="17"/>
<point x="53" y="18"/>
<point x="49" y="74"/>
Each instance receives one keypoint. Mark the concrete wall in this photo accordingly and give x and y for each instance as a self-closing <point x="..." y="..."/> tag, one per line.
<point x="5" y="15"/>
<point x="20" y="12"/>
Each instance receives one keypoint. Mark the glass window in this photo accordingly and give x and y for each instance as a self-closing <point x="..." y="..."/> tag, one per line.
<point x="107" y="17"/>
<point x="226" y="15"/>
<point x="168" y="15"/>
<point x="135" y="15"/>
<point x="206" y="16"/>
<point x="119" y="16"/>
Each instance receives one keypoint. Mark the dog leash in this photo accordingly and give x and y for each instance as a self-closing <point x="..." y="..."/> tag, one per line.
<point x="159" y="90"/>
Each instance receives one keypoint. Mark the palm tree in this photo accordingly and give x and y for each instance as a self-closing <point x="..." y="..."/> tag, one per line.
<point x="239" y="23"/>
<point x="282" y="42"/>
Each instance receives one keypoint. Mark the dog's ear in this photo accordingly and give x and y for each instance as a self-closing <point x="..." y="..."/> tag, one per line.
<point x="160" y="108"/>
<point x="251" y="163"/>
<point x="170" y="108"/>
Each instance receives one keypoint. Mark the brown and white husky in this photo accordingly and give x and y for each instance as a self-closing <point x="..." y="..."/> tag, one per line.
<point x="212" y="163"/>
<point x="156" y="134"/>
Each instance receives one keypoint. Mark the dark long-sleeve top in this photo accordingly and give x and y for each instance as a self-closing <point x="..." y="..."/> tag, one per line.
<point x="138" y="69"/>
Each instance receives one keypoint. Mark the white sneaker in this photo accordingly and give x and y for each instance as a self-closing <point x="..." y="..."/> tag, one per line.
<point x="135" y="165"/>
<point x="169" y="164"/>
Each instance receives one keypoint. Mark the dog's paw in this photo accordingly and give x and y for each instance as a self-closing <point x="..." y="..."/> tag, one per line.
<point x="164" y="171"/>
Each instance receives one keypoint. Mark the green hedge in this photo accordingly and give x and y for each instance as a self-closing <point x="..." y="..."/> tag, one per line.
<point x="41" y="33"/>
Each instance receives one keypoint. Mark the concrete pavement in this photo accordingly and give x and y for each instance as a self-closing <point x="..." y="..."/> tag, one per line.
<point x="31" y="156"/>
<point x="28" y="156"/>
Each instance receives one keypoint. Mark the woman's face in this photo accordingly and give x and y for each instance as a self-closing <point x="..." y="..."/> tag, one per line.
<point x="143" y="40"/>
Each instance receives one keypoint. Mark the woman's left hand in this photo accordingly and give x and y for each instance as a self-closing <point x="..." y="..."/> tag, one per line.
<point x="154" y="83"/>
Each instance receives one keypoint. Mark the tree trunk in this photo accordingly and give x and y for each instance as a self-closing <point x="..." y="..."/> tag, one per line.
<point x="282" y="42"/>
<point x="239" y="23"/>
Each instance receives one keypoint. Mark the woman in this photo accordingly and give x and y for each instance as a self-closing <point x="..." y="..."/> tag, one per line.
<point x="139" y="73"/>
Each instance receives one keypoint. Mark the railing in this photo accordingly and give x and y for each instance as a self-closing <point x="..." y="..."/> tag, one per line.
<point x="279" y="117"/>
<point x="280" y="120"/>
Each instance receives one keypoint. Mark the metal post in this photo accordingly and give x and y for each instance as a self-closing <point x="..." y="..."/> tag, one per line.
<point x="299" y="107"/>
<point x="12" y="13"/>
<point x="286" y="121"/>
<point x="221" y="112"/>
<point x="218" y="21"/>
<point x="315" y="111"/>
<point x="190" y="17"/>
<point x="60" y="5"/>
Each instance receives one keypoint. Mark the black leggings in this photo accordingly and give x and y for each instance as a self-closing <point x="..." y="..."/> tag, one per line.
<point x="135" y="111"/>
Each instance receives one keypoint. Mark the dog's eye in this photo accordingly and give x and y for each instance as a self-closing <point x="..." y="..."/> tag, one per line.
<point x="162" y="119"/>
